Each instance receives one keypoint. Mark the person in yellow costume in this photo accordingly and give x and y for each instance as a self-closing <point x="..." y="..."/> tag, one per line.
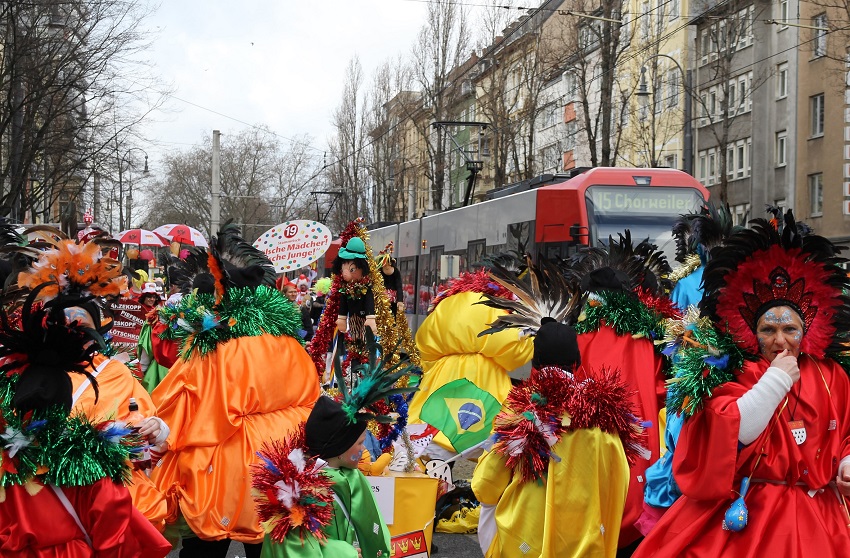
<point x="88" y="275"/>
<point x="450" y="348"/>
<point x="555" y="482"/>
<point x="242" y="377"/>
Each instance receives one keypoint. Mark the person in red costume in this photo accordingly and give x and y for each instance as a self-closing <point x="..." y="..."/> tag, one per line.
<point x="763" y="459"/>
<point x="625" y="312"/>
<point x="61" y="486"/>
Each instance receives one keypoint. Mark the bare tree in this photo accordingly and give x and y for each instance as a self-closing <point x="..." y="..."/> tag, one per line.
<point x="593" y="52"/>
<point x="724" y="95"/>
<point x="442" y="45"/>
<point x="73" y="80"/>
<point x="387" y="161"/>
<point x="261" y="183"/>
<point x="348" y="171"/>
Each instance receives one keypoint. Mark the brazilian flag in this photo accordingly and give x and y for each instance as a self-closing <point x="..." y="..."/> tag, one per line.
<point x="462" y="411"/>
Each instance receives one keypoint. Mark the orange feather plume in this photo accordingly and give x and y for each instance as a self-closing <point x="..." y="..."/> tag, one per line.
<point x="217" y="272"/>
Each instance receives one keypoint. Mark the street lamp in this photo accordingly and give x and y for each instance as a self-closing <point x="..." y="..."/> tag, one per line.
<point x="145" y="172"/>
<point x="643" y="93"/>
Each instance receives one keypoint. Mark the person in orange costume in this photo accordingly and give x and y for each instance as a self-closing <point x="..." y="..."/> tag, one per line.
<point x="233" y="387"/>
<point x="61" y="495"/>
<point x="116" y="384"/>
<point x="625" y="311"/>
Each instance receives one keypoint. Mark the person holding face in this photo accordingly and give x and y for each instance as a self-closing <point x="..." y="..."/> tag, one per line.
<point x="776" y="436"/>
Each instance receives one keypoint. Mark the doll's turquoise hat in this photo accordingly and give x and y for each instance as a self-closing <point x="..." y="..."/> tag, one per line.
<point x="355" y="249"/>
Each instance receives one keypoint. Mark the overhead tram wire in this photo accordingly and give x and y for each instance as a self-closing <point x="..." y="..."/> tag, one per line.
<point x="374" y="139"/>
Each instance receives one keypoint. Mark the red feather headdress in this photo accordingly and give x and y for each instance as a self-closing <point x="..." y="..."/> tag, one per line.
<point x="760" y="268"/>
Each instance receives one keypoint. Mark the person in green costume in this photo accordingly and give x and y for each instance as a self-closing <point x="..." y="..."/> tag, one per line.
<point x="153" y="372"/>
<point x="312" y="499"/>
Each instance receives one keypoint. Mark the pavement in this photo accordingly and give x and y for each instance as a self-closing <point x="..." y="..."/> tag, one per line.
<point x="448" y="546"/>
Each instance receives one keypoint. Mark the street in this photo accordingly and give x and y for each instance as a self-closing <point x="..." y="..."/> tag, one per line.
<point x="448" y="546"/>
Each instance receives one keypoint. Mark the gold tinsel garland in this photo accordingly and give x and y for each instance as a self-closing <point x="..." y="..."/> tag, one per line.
<point x="691" y="263"/>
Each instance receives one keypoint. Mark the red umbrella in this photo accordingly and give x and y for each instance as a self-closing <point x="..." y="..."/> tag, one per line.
<point x="141" y="237"/>
<point x="183" y="234"/>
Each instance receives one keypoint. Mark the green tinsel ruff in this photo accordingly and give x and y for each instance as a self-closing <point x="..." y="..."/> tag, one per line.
<point x="622" y="311"/>
<point x="82" y="456"/>
<point x="698" y="371"/>
<point x="196" y="323"/>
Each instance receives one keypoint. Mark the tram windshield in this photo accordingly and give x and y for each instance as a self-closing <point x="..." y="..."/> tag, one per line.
<point x="646" y="212"/>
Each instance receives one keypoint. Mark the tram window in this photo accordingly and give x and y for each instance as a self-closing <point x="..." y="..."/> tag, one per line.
<point x="521" y="237"/>
<point x="475" y="251"/>
<point x="407" y="268"/>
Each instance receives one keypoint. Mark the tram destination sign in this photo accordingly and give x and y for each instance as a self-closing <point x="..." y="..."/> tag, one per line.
<point x="648" y="201"/>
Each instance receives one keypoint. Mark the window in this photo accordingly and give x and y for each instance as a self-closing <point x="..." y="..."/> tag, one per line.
<point x="783" y="14"/>
<point x="816" y="103"/>
<point x="658" y="93"/>
<point x="750" y="96"/>
<point x="659" y="15"/>
<point x="781" y="147"/>
<point x="570" y="137"/>
<point x="571" y="85"/>
<point x="740" y="213"/>
<point x="672" y="88"/>
<point x="644" y="21"/>
<point x="551" y="115"/>
<point x="816" y="194"/>
<point x="740" y="159"/>
<point x="704" y="42"/>
<point x="742" y="94"/>
<point x="671" y="162"/>
<point x="702" y="166"/>
<point x="731" y="98"/>
<point x="730" y="162"/>
<point x="782" y="80"/>
<point x="674" y="9"/>
<point x="703" y="113"/>
<point x="712" y="166"/>
<point x="712" y="103"/>
<point x="820" y="34"/>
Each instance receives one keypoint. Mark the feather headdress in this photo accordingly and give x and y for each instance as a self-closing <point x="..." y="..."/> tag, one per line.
<point x="185" y="272"/>
<point x="760" y="268"/>
<point x="542" y="292"/>
<point x="371" y="382"/>
<point x="700" y="232"/>
<point x="633" y="266"/>
<point x="235" y="263"/>
<point x="70" y="267"/>
<point x="42" y="348"/>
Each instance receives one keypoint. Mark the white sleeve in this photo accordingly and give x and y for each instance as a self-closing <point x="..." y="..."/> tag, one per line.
<point x="758" y="405"/>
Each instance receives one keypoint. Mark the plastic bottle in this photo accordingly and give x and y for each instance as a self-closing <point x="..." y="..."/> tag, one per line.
<point x="142" y="459"/>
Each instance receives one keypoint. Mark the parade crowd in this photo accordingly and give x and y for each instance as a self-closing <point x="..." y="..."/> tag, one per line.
<point x="699" y="410"/>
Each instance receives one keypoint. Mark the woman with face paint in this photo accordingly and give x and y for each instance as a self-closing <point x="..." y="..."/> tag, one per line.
<point x="763" y="460"/>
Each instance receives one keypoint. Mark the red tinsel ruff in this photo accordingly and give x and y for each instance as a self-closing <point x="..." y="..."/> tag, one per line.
<point x="477" y="282"/>
<point x="321" y="343"/>
<point x="601" y="399"/>
<point x="661" y="305"/>
<point x="535" y="410"/>
<point x="287" y="471"/>
<point x="740" y="283"/>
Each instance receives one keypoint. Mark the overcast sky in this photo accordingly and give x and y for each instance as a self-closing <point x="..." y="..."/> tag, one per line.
<point x="275" y="62"/>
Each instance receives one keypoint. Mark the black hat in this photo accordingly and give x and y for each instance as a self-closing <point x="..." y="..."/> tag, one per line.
<point x="329" y="431"/>
<point x="555" y="345"/>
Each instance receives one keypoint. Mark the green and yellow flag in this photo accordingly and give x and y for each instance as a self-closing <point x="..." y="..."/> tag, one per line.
<point x="462" y="411"/>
